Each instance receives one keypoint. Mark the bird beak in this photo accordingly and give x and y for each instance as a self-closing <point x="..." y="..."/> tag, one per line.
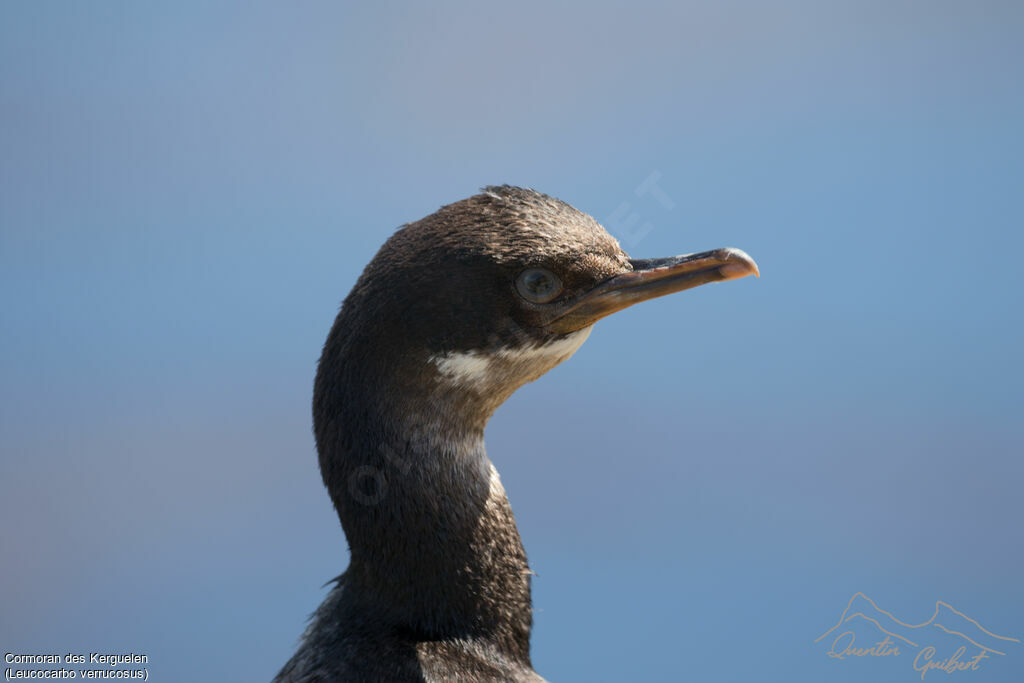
<point x="651" y="278"/>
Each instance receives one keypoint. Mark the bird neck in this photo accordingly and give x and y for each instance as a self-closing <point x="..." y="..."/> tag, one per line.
<point x="434" y="546"/>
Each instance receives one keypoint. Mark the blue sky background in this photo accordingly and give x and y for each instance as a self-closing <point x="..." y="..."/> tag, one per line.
<point x="188" y="190"/>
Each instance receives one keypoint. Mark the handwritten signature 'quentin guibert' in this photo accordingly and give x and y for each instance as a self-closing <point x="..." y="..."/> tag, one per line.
<point x="843" y="645"/>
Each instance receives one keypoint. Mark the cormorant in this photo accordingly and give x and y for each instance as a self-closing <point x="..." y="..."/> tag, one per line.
<point x="454" y="313"/>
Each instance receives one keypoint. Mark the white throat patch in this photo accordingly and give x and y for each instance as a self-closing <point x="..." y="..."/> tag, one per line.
<point x="477" y="369"/>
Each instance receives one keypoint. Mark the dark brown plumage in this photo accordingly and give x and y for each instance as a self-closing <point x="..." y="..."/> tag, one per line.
<point x="453" y="314"/>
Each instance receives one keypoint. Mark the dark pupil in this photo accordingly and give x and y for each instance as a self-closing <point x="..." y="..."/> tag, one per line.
<point x="538" y="283"/>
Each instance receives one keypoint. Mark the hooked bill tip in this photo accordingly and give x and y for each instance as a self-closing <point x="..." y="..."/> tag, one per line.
<point x="739" y="264"/>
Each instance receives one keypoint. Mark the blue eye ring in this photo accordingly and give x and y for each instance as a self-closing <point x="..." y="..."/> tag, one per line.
<point x="538" y="285"/>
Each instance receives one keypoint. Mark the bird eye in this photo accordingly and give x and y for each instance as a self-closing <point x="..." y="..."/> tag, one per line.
<point x="538" y="285"/>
